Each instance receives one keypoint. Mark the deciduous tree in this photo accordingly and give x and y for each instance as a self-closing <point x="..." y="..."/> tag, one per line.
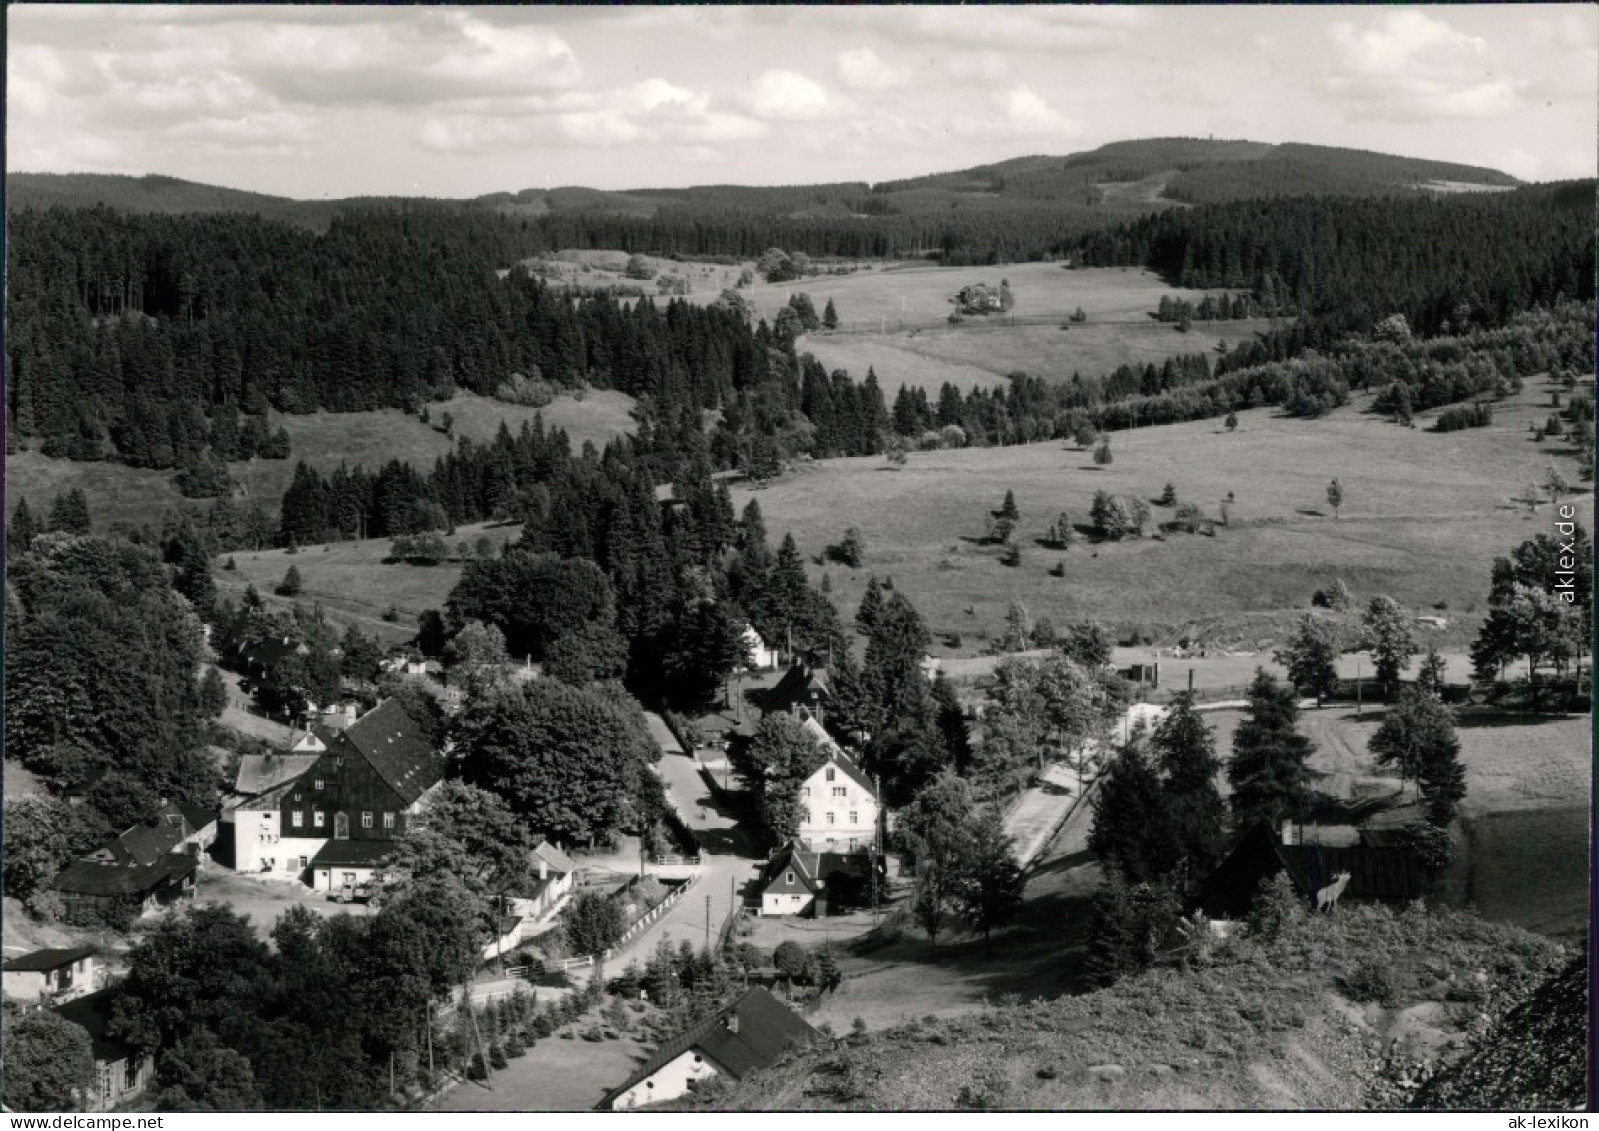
<point x="49" y="1062"/>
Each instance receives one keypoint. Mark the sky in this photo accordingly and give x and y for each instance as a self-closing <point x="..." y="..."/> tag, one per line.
<point x="315" y="102"/>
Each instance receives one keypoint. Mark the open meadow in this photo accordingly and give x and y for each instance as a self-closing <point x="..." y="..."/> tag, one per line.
<point x="354" y="584"/>
<point x="979" y="353"/>
<point x="121" y="494"/>
<point x="1424" y="515"/>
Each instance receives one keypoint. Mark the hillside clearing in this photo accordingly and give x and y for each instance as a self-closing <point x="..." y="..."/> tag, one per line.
<point x="135" y="496"/>
<point x="1424" y="516"/>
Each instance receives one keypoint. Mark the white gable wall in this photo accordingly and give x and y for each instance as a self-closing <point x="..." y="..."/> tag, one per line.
<point x="669" y="1081"/>
<point x="842" y="799"/>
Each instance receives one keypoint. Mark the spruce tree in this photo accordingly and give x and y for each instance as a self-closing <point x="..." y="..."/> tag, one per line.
<point x="829" y="316"/>
<point x="291" y="585"/>
<point x="1267" y="769"/>
<point x="1008" y="509"/>
<point x="1131" y="833"/>
<point x="69" y="513"/>
<point x="871" y="606"/>
<point x="21" y="530"/>
<point x="1185" y="753"/>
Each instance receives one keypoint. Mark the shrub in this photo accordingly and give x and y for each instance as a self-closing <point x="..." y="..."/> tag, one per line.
<point x="533" y="392"/>
<point x="477" y="1070"/>
<point x="496" y="1056"/>
<point x="514" y="1046"/>
<point x="1369" y="981"/>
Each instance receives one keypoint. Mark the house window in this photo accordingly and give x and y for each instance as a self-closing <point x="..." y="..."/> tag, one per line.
<point x="830" y="818"/>
<point x="806" y="815"/>
<point x="134" y="1064"/>
<point x="854" y="818"/>
<point x="806" y="791"/>
<point x="319" y="783"/>
<point x="838" y="791"/>
<point x="830" y="774"/>
<point x="304" y="863"/>
<point x="317" y="818"/>
<point x="788" y="879"/>
<point x="366" y="820"/>
<point x="297" y="819"/>
<point x="388" y="820"/>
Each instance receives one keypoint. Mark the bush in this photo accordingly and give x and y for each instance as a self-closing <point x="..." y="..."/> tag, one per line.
<point x="1369" y="981"/>
<point x="533" y="392"/>
<point x="514" y="1046"/>
<point x="496" y="1057"/>
<point x="477" y="1070"/>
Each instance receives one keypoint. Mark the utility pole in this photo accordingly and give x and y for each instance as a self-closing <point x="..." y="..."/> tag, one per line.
<point x="707" y="922"/>
<point x="1358" y="704"/>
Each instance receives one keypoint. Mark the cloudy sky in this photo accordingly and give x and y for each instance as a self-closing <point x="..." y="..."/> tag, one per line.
<point x="340" y="101"/>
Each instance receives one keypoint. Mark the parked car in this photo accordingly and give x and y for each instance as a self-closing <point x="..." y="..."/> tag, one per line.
<point x="352" y="893"/>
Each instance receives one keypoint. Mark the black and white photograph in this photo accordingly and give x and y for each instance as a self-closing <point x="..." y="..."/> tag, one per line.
<point x="769" y="559"/>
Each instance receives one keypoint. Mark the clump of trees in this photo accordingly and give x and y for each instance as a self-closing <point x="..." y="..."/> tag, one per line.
<point x="963" y="859"/>
<point x="1115" y="517"/>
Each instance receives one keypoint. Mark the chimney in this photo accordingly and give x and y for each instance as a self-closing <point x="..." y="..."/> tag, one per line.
<point x="544" y="868"/>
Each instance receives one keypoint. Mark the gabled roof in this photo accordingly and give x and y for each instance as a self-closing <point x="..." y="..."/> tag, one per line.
<point x="259" y="773"/>
<point x="765" y="1030"/>
<point x="1374" y="873"/>
<point x="93" y="1012"/>
<point x="354" y="853"/>
<point x="800" y="684"/>
<point x="146" y="842"/>
<point x="558" y="861"/>
<point x="812" y="870"/>
<point x="848" y="768"/>
<point x="85" y="877"/>
<point x="42" y="960"/>
<point x="391" y="743"/>
<point x="819" y="734"/>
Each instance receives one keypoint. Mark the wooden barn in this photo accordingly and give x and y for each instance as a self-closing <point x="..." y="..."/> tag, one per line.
<point x="1387" y="874"/>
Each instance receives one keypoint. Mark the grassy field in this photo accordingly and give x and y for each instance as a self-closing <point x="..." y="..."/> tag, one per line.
<point x="974" y="355"/>
<point x="353" y="584"/>
<point x="120" y="494"/>
<point x="1424" y="515"/>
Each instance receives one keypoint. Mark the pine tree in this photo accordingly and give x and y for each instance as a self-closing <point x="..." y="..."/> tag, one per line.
<point x="1267" y="769"/>
<point x="1335" y="497"/>
<point x="871" y="606"/>
<point x="291" y="585"/>
<point x="1008" y="509"/>
<point x="1311" y="658"/>
<point x="21" y="530"/>
<point x="1231" y="422"/>
<point x="829" y="316"/>
<point x="952" y="723"/>
<point x="1432" y="675"/>
<point x="1131" y="833"/>
<point x="69" y="513"/>
<point x="1185" y="753"/>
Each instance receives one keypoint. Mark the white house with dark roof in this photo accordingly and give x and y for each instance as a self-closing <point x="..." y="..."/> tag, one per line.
<point x="50" y="977"/>
<point x="839" y="808"/>
<point x="751" y="1033"/>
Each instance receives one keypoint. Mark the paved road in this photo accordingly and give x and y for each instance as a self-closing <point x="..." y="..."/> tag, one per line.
<point x="727" y="858"/>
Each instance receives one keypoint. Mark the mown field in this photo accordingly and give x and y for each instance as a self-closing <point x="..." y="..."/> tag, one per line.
<point x="352" y="582"/>
<point x="969" y="356"/>
<point x="118" y="493"/>
<point x="1423" y="517"/>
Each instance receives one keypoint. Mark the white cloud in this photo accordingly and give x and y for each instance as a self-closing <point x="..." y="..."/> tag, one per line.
<point x="788" y="96"/>
<point x="1018" y="112"/>
<point x="1409" y="66"/>
<point x="976" y="67"/>
<point x="864" y="69"/>
<point x="1063" y="27"/>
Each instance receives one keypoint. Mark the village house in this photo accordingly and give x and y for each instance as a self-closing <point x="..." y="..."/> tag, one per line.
<point x="121" y="1074"/>
<point x="762" y="657"/>
<point x="750" y="1034"/>
<point x="50" y="977"/>
<point x="805" y="691"/>
<point x="839" y="808"/>
<point x="146" y="867"/>
<point x="796" y="882"/>
<point x="328" y="816"/>
<point x="1389" y="874"/>
<point x="556" y="876"/>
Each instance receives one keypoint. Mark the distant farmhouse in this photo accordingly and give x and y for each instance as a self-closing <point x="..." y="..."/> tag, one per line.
<point x="839" y="808"/>
<point x="797" y="882"/>
<point x="750" y="1034"/>
<point x="121" y="1073"/>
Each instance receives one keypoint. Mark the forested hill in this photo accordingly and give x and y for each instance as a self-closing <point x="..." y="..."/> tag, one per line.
<point x="1111" y="183"/>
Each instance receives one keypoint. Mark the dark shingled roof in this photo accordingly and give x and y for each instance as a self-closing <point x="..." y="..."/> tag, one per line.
<point x="799" y="685"/>
<point x="766" y="1029"/>
<point x="1374" y="873"/>
<point x="85" y="877"/>
<point x="362" y="853"/>
<point x="387" y="738"/>
<point x="259" y="773"/>
<point x="145" y="843"/>
<point x="813" y="870"/>
<point x="93" y="1012"/>
<point x="41" y="960"/>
